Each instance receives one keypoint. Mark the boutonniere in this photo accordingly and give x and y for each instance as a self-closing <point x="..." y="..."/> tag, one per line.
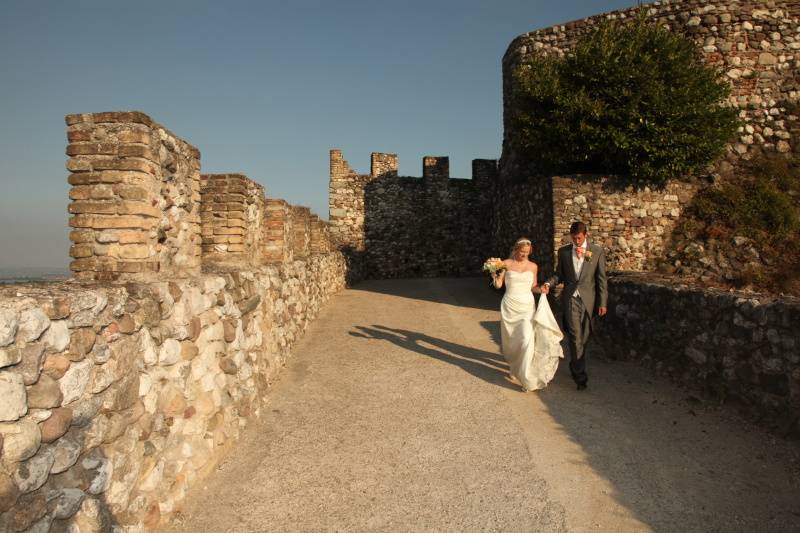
<point x="587" y="255"/>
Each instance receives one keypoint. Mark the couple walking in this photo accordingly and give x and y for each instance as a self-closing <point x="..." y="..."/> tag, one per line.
<point x="530" y="336"/>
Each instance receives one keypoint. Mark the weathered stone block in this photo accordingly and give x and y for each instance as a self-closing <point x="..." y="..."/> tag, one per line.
<point x="55" y="366"/>
<point x="110" y="222"/>
<point x="20" y="440"/>
<point x="134" y="150"/>
<point x="127" y="207"/>
<point x="75" y="380"/>
<point x="92" y="149"/>
<point x="45" y="393"/>
<point x="31" y="474"/>
<point x="14" y="398"/>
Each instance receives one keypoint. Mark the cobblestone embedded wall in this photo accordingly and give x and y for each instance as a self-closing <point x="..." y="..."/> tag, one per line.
<point x="135" y="198"/>
<point x="756" y="45"/>
<point x="117" y="398"/>
<point x="412" y="227"/>
<point x="633" y="225"/>
<point x="524" y="210"/>
<point x="738" y="347"/>
<point x="346" y="202"/>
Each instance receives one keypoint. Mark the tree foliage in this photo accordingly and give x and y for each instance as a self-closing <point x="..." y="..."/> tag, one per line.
<point x="633" y="99"/>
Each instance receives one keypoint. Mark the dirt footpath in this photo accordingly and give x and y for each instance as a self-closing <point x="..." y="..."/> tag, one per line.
<point x="394" y="414"/>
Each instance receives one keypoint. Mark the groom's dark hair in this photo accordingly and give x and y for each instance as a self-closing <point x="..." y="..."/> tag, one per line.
<point x="577" y="227"/>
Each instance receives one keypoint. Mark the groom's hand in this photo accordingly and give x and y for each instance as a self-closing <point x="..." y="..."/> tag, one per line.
<point x="602" y="311"/>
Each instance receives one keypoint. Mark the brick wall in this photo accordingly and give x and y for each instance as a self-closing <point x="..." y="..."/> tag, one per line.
<point x="135" y="195"/>
<point x="301" y="231"/>
<point x="233" y="217"/>
<point x="141" y="209"/>
<point x="278" y="239"/>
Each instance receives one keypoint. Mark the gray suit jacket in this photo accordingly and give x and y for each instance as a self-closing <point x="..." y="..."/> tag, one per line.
<point x="592" y="284"/>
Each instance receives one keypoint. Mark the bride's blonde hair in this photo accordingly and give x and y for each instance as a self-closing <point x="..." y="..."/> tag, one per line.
<point x="522" y="241"/>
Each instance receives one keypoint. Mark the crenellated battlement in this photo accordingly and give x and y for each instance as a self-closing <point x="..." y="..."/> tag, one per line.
<point x="402" y="224"/>
<point x="142" y="210"/>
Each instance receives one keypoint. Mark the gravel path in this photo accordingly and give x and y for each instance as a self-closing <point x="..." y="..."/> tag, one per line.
<point x="394" y="414"/>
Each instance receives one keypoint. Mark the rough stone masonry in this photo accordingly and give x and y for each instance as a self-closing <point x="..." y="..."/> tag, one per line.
<point x="124" y="386"/>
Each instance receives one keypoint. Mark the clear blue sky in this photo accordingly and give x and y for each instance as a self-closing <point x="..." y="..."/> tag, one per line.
<point x="264" y="88"/>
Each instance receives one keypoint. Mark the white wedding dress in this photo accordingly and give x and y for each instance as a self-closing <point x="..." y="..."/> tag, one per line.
<point x="530" y="336"/>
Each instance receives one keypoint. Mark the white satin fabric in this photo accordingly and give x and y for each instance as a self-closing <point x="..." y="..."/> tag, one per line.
<point x="529" y="334"/>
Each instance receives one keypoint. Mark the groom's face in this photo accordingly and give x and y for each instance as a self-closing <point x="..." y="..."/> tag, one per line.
<point x="578" y="239"/>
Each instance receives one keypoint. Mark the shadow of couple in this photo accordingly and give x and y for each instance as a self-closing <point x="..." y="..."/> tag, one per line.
<point x="489" y="366"/>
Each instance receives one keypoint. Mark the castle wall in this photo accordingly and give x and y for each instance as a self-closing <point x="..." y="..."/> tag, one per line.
<point x="740" y="348"/>
<point x="278" y="239"/>
<point x="135" y="198"/>
<point x="412" y="227"/>
<point x="633" y="224"/>
<point x="119" y="397"/>
<point x="301" y="231"/>
<point x="125" y="386"/>
<point x="755" y="45"/>
<point x="233" y="214"/>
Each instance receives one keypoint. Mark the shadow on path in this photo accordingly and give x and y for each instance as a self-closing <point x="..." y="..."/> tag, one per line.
<point x="674" y="462"/>
<point x="489" y="366"/>
<point x="481" y="294"/>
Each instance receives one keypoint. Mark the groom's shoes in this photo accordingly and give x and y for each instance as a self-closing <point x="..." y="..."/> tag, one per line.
<point x="581" y="386"/>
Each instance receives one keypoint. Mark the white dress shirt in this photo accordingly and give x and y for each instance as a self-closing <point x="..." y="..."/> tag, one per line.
<point x="577" y="263"/>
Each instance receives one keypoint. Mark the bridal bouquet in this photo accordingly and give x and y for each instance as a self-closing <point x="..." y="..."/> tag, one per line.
<point x="493" y="264"/>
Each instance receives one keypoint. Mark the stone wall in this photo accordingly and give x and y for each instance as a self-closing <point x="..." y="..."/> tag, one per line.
<point x="757" y="47"/>
<point x="117" y="398"/>
<point x="278" y="238"/>
<point x="233" y="216"/>
<point x="125" y="385"/>
<point x="412" y="227"/>
<point x="741" y="348"/>
<point x="755" y="44"/>
<point x="135" y="195"/>
<point x="301" y="231"/>
<point x="142" y="209"/>
<point x="633" y="224"/>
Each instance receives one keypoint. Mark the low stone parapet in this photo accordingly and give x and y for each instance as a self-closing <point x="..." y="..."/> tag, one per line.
<point x="117" y="398"/>
<point x="734" y="346"/>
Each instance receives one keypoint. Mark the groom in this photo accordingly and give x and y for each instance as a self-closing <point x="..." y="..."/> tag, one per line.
<point x="582" y="270"/>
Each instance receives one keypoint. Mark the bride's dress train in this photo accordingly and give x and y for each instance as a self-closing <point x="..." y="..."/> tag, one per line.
<point x="529" y="334"/>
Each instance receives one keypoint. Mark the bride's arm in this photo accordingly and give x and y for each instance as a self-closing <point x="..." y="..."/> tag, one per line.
<point x="498" y="278"/>
<point x="535" y="286"/>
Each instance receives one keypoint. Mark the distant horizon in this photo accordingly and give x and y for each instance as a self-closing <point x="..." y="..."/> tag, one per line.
<point x="265" y="89"/>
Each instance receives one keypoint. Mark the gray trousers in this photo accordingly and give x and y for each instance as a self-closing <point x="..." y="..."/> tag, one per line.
<point x="577" y="324"/>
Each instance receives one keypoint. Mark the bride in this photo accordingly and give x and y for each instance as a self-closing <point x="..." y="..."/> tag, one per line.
<point x="530" y="336"/>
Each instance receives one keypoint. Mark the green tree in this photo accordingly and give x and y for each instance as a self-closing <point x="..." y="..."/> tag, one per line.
<point x="633" y="99"/>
